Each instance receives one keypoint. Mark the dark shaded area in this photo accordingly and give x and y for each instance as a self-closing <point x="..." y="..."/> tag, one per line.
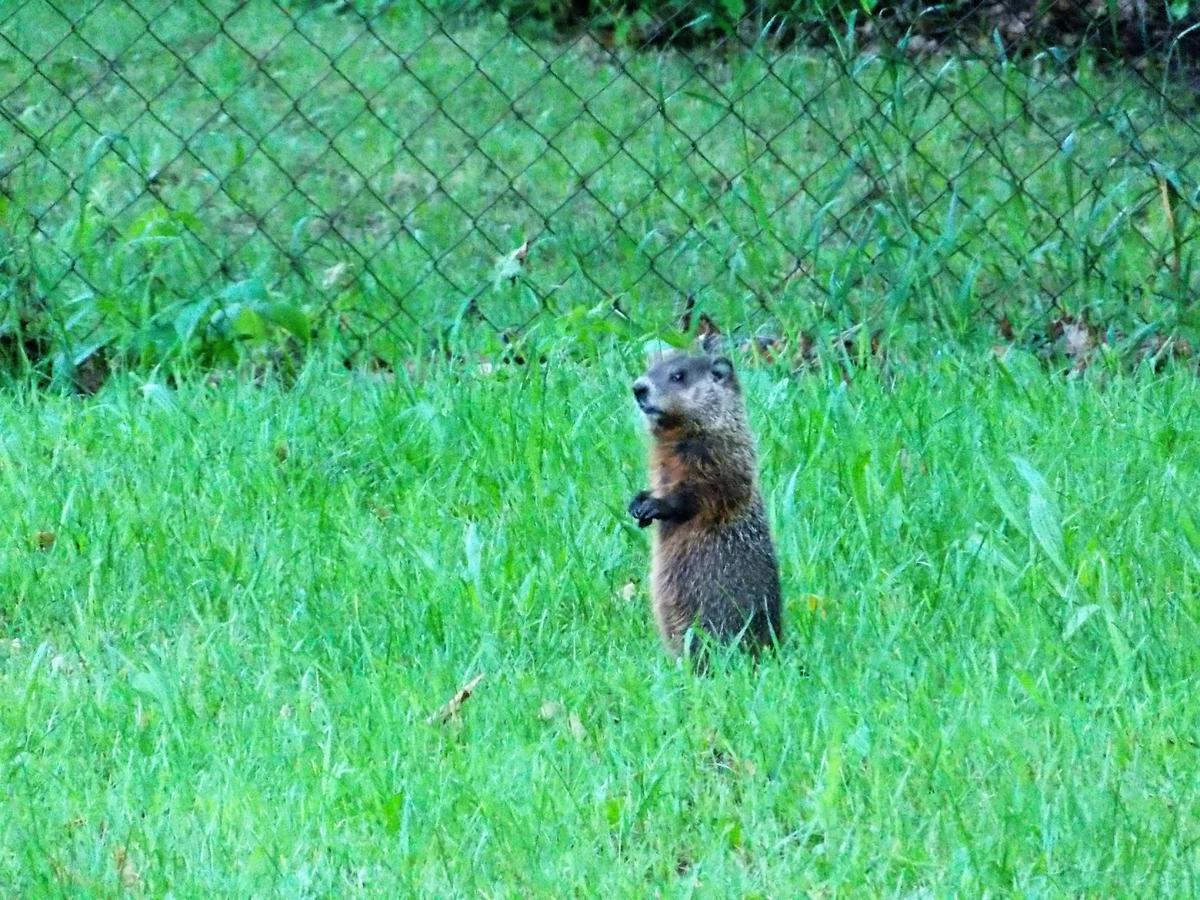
<point x="1118" y="29"/>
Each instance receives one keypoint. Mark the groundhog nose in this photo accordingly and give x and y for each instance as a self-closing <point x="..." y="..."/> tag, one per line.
<point x="641" y="391"/>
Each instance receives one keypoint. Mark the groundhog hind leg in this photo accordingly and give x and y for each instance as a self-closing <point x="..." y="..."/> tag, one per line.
<point x="716" y="584"/>
<point x="674" y="601"/>
<point x="741" y="602"/>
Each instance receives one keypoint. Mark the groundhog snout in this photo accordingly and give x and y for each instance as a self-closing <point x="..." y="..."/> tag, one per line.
<point x="641" y="392"/>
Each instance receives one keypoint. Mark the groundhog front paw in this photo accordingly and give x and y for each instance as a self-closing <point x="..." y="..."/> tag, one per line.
<point x="644" y="508"/>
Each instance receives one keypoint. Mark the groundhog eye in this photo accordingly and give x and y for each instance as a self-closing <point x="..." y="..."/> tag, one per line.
<point x="678" y="376"/>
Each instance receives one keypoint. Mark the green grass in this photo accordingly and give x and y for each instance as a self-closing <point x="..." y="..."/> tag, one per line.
<point x="220" y="672"/>
<point x="303" y="168"/>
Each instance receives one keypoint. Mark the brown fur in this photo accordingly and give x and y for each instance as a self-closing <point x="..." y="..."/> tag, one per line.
<point x="713" y="564"/>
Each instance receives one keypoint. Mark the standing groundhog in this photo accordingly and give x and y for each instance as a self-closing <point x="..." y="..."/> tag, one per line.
<point x="713" y="562"/>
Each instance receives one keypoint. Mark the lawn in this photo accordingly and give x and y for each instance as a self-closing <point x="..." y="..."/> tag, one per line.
<point x="227" y="613"/>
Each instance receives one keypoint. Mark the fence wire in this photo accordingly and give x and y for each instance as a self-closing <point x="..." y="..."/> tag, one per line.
<point x="226" y="172"/>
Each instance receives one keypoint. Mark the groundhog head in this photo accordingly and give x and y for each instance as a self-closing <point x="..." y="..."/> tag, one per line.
<point x="691" y="392"/>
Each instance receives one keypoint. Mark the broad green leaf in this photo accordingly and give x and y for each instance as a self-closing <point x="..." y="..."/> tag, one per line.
<point x="188" y="319"/>
<point x="290" y="317"/>
<point x="1005" y="501"/>
<point x="248" y="323"/>
<point x="1045" y="521"/>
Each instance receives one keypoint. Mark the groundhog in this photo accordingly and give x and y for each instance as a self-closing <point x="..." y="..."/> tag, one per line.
<point x="713" y="569"/>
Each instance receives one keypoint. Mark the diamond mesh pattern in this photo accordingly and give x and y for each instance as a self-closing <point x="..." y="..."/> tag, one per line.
<point x="380" y="165"/>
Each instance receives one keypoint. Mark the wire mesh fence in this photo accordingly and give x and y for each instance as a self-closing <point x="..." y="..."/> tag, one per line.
<point x="212" y="176"/>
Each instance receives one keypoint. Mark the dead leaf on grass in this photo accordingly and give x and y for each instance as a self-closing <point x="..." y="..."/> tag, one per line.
<point x="451" y="707"/>
<point x="1159" y="349"/>
<point x="805" y="356"/>
<point x="816" y="605"/>
<point x="685" y="318"/>
<point x="126" y="870"/>
<point x="337" y="276"/>
<point x="508" y="267"/>
<point x="707" y="327"/>
<point x="764" y="348"/>
<point x="575" y="724"/>
<point x="1079" y="339"/>
<point x="1075" y="338"/>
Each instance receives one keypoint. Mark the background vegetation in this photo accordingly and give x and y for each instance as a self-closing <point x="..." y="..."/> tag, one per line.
<point x="237" y="181"/>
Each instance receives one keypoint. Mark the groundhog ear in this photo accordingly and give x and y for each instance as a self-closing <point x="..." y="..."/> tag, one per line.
<point x="721" y="368"/>
<point x="710" y="343"/>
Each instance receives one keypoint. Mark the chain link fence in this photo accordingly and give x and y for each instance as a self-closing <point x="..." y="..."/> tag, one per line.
<point x="228" y="174"/>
